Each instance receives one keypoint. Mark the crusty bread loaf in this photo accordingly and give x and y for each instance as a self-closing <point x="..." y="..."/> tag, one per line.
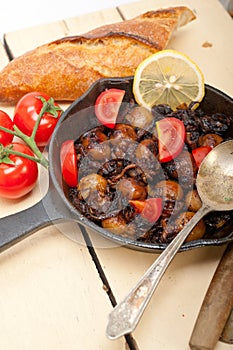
<point x="66" y="68"/>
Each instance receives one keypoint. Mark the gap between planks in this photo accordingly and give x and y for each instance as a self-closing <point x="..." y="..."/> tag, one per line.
<point x="130" y="341"/>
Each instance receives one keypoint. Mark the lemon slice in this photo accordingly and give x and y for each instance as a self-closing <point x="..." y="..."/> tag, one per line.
<point x="168" y="77"/>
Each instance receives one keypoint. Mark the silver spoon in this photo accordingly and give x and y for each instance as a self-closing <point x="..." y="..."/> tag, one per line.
<point x="215" y="187"/>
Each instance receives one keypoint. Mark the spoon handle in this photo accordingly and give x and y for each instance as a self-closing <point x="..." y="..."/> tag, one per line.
<point x="125" y="316"/>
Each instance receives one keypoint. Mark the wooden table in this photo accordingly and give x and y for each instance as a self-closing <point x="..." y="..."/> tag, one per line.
<point x="52" y="295"/>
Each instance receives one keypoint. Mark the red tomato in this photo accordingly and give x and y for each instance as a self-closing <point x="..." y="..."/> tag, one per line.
<point x="26" y="114"/>
<point x="18" y="179"/>
<point x="107" y="106"/>
<point x="6" y="122"/>
<point x="200" y="153"/>
<point x="69" y="163"/>
<point x="150" y="209"/>
<point x="171" y="136"/>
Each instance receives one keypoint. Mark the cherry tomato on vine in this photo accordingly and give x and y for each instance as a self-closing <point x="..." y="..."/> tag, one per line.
<point x="107" y="106"/>
<point x="69" y="163"/>
<point x="171" y="136"/>
<point x="19" y="175"/>
<point x="200" y="153"/>
<point x="6" y="122"/>
<point x="150" y="209"/>
<point x="27" y="111"/>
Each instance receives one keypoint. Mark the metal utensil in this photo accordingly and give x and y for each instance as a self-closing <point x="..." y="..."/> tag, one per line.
<point x="216" y="306"/>
<point x="215" y="187"/>
<point x="227" y="333"/>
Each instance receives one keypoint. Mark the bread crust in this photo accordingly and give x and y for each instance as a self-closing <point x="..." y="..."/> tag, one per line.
<point x="66" y="68"/>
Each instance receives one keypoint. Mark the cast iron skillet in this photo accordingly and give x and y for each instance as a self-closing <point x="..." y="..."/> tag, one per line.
<point x="55" y="207"/>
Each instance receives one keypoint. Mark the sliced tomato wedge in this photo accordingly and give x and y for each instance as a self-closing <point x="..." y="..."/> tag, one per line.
<point x="171" y="137"/>
<point x="200" y="153"/>
<point x="107" y="106"/>
<point x="150" y="209"/>
<point x="69" y="163"/>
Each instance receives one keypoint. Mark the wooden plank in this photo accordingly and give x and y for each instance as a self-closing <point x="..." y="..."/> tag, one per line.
<point x="51" y="294"/>
<point x="25" y="40"/>
<point x="81" y="24"/>
<point x="213" y="26"/>
<point x="3" y="57"/>
<point x="168" y="322"/>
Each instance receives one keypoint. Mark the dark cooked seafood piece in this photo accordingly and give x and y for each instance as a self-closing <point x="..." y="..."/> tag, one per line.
<point x="119" y="171"/>
<point x="211" y="140"/>
<point x="182" y="169"/>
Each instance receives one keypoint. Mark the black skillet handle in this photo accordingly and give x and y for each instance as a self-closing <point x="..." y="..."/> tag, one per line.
<point x="16" y="227"/>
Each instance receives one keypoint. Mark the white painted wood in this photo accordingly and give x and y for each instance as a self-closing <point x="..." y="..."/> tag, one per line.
<point x="24" y="40"/>
<point x="51" y="294"/>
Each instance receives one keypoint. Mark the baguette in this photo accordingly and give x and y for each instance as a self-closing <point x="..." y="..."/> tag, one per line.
<point x="66" y="68"/>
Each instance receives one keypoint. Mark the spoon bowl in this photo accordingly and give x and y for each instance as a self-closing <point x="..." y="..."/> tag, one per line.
<point x="215" y="178"/>
<point x="215" y="187"/>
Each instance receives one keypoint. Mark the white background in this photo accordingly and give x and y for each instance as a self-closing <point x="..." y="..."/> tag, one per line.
<point x="27" y="13"/>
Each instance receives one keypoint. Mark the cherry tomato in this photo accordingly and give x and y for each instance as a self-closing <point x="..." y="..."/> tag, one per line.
<point x="171" y="136"/>
<point x="107" y="106"/>
<point x="69" y="163"/>
<point x="200" y="153"/>
<point x="19" y="178"/>
<point x="6" y="122"/>
<point x="26" y="114"/>
<point x="150" y="209"/>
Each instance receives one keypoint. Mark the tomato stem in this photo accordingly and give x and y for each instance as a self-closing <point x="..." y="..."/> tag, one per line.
<point x="6" y="151"/>
<point x="30" y="141"/>
<point x="47" y="106"/>
<point x="9" y="131"/>
<point x="33" y="134"/>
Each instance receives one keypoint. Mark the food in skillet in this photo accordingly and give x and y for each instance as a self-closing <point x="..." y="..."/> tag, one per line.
<point x="136" y="170"/>
<point x="126" y="185"/>
<point x="66" y="68"/>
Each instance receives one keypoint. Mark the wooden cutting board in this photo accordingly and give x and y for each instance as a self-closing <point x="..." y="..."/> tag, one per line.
<point x="52" y="296"/>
